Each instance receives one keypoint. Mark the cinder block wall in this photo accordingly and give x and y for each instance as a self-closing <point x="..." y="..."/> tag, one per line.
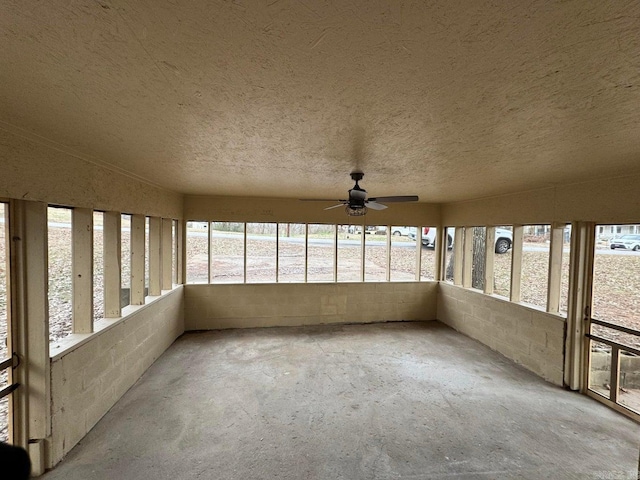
<point x="525" y="335"/>
<point x="88" y="380"/>
<point x="267" y="305"/>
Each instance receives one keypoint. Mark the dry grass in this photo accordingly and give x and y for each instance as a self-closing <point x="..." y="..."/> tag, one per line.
<point x="616" y="293"/>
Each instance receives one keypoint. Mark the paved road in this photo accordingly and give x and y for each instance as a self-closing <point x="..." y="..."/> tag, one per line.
<point x="351" y="242"/>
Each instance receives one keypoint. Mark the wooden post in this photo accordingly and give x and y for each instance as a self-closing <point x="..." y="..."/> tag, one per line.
<point x="555" y="268"/>
<point x="82" y="267"/>
<point x="167" y="252"/>
<point x="489" y="260"/>
<point x="112" y="264"/>
<point x="419" y="255"/>
<point x="388" y="273"/>
<point x="516" y="263"/>
<point x="467" y="259"/>
<point x="155" y="265"/>
<point x="32" y="307"/>
<point x="137" y="259"/>
<point x="458" y="255"/>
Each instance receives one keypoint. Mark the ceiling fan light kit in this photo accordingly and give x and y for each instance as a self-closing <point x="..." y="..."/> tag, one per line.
<point x="358" y="204"/>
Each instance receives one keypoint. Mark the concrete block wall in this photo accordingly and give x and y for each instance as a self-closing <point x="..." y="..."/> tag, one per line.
<point x="530" y="337"/>
<point x="267" y="305"/>
<point x="88" y="380"/>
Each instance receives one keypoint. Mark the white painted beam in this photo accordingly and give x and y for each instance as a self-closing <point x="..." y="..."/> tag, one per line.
<point x="112" y="264"/>
<point x="155" y="265"/>
<point x="489" y="260"/>
<point x="516" y="263"/>
<point x="467" y="260"/>
<point x="82" y="268"/>
<point x="555" y="269"/>
<point x="458" y="255"/>
<point x="167" y="253"/>
<point x="137" y="259"/>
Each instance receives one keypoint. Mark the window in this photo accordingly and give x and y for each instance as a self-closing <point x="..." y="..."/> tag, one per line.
<point x="261" y="252"/>
<point x="125" y="245"/>
<point x="403" y="254"/>
<point x="349" y="254"/>
<point x="291" y="252"/>
<point x="535" y="265"/>
<point x="197" y="261"/>
<point x="375" y="254"/>
<point x="227" y="252"/>
<point x="98" y="266"/>
<point x="60" y="273"/>
<point x="428" y="254"/>
<point x="321" y="253"/>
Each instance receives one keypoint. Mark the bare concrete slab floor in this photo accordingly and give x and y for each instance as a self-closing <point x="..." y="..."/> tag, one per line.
<point x="384" y="401"/>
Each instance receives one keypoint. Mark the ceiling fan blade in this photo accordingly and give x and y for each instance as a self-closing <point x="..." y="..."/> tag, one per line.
<point x="320" y="200"/>
<point x="400" y="198"/>
<point x="335" y="206"/>
<point x="375" y="205"/>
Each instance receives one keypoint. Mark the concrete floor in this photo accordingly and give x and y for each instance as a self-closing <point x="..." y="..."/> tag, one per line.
<point x="402" y="400"/>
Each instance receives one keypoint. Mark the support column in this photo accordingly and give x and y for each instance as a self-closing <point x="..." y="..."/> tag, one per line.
<point x="467" y="257"/>
<point x="555" y="269"/>
<point x="155" y="265"/>
<point x="82" y="267"/>
<point x="182" y="252"/>
<point x="516" y="263"/>
<point x="490" y="244"/>
<point x="576" y="366"/>
<point x="112" y="264"/>
<point x="363" y="250"/>
<point x="458" y="252"/>
<point x="137" y="259"/>
<point x="419" y="255"/>
<point x="32" y="309"/>
<point x="167" y="253"/>
<point x="388" y="273"/>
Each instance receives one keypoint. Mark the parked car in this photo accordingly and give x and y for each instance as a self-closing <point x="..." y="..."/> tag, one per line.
<point x="382" y="230"/>
<point x="504" y="238"/>
<point x="358" y="230"/>
<point x="628" y="242"/>
<point x="404" y="231"/>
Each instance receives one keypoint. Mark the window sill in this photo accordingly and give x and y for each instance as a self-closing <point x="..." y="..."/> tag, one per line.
<point x="67" y="344"/>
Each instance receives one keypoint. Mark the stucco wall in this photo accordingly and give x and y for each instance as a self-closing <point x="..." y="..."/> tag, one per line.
<point x="268" y="305"/>
<point x="88" y="380"/>
<point x="605" y="200"/>
<point x="523" y="334"/>
<point x="35" y="169"/>
<point x="247" y="209"/>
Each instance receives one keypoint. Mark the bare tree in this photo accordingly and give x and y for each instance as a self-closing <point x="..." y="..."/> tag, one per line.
<point x="479" y="254"/>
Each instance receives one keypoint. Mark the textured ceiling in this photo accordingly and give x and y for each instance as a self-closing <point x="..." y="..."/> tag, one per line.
<point x="449" y="100"/>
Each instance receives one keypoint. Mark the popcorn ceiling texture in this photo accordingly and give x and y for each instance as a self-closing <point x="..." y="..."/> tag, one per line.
<point x="448" y="100"/>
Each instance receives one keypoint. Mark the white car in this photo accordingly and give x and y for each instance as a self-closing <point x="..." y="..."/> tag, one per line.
<point x="504" y="238"/>
<point x="404" y="231"/>
<point x="628" y="242"/>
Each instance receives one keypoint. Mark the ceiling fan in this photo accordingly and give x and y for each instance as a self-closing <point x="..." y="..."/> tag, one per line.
<point x="358" y="203"/>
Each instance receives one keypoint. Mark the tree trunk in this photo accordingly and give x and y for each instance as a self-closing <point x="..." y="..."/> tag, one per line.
<point x="449" y="271"/>
<point x="479" y="255"/>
